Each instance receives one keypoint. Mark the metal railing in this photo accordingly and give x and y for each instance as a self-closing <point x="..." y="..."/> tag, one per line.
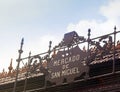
<point x="47" y="55"/>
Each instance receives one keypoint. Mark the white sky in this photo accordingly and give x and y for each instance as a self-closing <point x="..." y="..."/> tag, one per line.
<point x="40" y="21"/>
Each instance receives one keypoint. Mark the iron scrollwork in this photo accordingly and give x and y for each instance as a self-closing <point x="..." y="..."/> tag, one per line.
<point x="36" y="65"/>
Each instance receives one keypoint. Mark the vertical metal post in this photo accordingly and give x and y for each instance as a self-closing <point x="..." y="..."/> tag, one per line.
<point x="49" y="51"/>
<point x="28" y="66"/>
<point x="88" y="52"/>
<point x="114" y="50"/>
<point x="18" y="60"/>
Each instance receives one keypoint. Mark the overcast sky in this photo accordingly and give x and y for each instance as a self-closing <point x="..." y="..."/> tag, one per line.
<point x="40" y="21"/>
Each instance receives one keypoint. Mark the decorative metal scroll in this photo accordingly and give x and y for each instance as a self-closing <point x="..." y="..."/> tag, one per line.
<point x="72" y="38"/>
<point x="34" y="64"/>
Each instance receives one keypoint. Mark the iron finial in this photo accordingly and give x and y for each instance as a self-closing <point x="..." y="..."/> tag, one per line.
<point x="22" y="41"/>
<point x="115" y="28"/>
<point x="89" y="30"/>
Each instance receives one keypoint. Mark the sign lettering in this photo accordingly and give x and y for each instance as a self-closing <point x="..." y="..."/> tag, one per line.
<point x="66" y="60"/>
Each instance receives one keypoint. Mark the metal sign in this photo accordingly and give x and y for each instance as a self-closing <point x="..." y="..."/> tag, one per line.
<point x="66" y="65"/>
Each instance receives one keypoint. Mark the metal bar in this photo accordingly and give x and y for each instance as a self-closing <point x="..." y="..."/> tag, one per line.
<point x="88" y="51"/>
<point x="105" y="35"/>
<point x="27" y="72"/>
<point x="18" y="60"/>
<point x="114" y="50"/>
<point x="34" y="55"/>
